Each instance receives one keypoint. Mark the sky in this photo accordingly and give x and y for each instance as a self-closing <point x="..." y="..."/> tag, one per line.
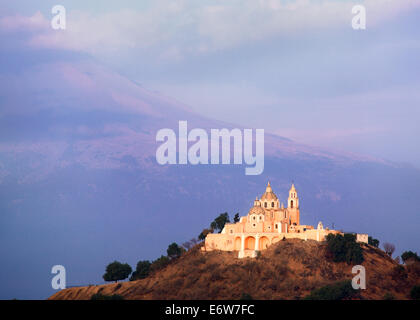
<point x="295" y="68"/>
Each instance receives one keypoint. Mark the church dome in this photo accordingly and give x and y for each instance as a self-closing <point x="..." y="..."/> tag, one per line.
<point x="256" y="210"/>
<point x="268" y="195"/>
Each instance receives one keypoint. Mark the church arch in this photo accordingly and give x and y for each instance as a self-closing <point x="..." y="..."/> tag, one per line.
<point x="237" y="243"/>
<point x="250" y="243"/>
<point x="263" y="243"/>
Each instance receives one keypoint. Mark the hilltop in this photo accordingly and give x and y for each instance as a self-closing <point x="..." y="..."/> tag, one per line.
<point x="289" y="269"/>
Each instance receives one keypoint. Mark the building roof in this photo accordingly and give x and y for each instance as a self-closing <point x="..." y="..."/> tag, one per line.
<point x="256" y="210"/>
<point x="269" y="194"/>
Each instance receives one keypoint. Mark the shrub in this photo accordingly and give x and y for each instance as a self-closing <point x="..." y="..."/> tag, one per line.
<point x="99" y="296"/>
<point x="409" y="256"/>
<point x="174" y="251"/>
<point x="373" y="242"/>
<point x="344" y="248"/>
<point x="415" y="293"/>
<point x="245" y="296"/>
<point x="388" y="296"/>
<point x="389" y="248"/>
<point x="337" y="291"/>
<point x="159" y="263"/>
<point x="399" y="272"/>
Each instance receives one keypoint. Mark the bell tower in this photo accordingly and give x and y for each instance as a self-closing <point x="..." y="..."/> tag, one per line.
<point x="293" y="205"/>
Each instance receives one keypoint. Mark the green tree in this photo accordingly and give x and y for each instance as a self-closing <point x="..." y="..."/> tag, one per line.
<point x="337" y="291"/>
<point x="204" y="233"/>
<point x="373" y="242"/>
<point x="344" y="248"/>
<point x="117" y="271"/>
<point x="236" y="217"/>
<point x="142" y="270"/>
<point x="220" y="221"/>
<point x="408" y="256"/>
<point x="159" y="263"/>
<point x="415" y="293"/>
<point x="174" y="251"/>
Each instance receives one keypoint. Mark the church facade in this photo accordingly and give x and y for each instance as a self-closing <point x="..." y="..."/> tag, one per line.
<point x="267" y="222"/>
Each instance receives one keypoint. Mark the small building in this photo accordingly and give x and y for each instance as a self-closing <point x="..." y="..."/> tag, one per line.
<point x="267" y="222"/>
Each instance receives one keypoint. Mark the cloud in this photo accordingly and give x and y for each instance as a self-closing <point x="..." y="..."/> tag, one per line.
<point x="179" y="28"/>
<point x="34" y="23"/>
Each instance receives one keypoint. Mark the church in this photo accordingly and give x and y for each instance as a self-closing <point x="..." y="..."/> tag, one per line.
<point x="267" y="222"/>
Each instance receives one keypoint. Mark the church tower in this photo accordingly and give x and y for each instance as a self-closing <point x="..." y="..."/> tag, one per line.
<point x="293" y="205"/>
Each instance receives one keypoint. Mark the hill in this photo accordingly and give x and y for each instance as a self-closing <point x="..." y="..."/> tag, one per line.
<point x="85" y="169"/>
<point x="289" y="269"/>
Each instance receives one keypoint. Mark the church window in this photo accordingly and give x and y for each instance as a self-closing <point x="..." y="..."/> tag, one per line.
<point x="272" y="204"/>
<point x="265" y="204"/>
<point x="276" y="226"/>
<point x="253" y="225"/>
<point x="291" y="204"/>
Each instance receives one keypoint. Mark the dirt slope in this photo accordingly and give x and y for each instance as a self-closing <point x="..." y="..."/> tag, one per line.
<point x="286" y="270"/>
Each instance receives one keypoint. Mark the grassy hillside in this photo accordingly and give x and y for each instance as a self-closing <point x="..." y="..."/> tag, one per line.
<point x="289" y="269"/>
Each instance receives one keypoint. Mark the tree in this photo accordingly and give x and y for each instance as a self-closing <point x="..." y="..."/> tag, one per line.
<point x="204" y="234"/>
<point x="344" y="248"/>
<point x="189" y="244"/>
<point x="236" y="217"/>
<point x="220" y="221"/>
<point x="142" y="270"/>
<point x="409" y="256"/>
<point x="117" y="271"/>
<point x="373" y="242"/>
<point x="174" y="251"/>
<point x="389" y="248"/>
<point x="415" y="293"/>
<point x="337" y="291"/>
<point x="159" y="263"/>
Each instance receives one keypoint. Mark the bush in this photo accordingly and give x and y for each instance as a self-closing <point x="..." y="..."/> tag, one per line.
<point x="389" y="248"/>
<point x="373" y="242"/>
<point x="388" y="296"/>
<point x="245" y="296"/>
<point x="337" y="291"/>
<point x="142" y="270"/>
<point x="415" y="293"/>
<point x="408" y="256"/>
<point x="344" y="248"/>
<point x="117" y="271"/>
<point x="99" y="296"/>
<point x="174" y="251"/>
<point x="398" y="273"/>
<point x="159" y="263"/>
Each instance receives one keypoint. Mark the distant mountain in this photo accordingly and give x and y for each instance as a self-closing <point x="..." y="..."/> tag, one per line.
<point x="80" y="186"/>
<point x="287" y="270"/>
